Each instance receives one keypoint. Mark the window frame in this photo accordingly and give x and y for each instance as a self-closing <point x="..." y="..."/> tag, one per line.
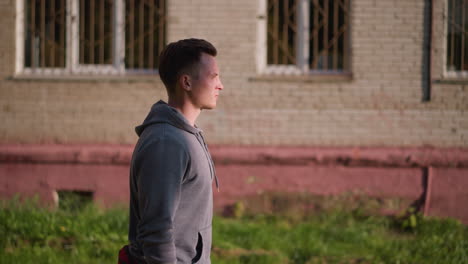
<point x="301" y="68"/>
<point x="72" y="65"/>
<point x="450" y="74"/>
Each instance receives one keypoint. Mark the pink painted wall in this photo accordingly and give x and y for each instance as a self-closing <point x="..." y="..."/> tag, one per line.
<point x="449" y="193"/>
<point x="243" y="171"/>
<point x="238" y="181"/>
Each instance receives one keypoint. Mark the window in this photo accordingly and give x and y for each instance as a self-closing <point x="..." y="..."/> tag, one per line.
<point x="457" y="43"/>
<point x="72" y="200"/>
<point x="304" y="36"/>
<point x="89" y="36"/>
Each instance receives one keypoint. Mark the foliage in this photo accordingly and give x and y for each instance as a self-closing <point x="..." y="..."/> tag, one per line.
<point x="32" y="234"/>
<point x="88" y="234"/>
<point x="409" y="219"/>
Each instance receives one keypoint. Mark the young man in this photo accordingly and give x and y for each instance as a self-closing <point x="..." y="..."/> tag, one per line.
<point x="171" y="199"/>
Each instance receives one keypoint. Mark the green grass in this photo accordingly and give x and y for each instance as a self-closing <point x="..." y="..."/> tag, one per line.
<point x="338" y="238"/>
<point x="31" y="234"/>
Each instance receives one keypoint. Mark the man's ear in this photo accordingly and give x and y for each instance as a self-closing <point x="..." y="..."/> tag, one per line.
<point x="185" y="82"/>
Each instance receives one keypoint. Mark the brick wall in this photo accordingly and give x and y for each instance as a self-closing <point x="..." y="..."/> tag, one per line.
<point x="380" y="106"/>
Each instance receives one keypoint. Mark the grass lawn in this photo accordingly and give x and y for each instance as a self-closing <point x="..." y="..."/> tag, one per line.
<point x="30" y="234"/>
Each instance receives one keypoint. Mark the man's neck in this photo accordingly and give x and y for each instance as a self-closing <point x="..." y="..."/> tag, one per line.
<point x="190" y="112"/>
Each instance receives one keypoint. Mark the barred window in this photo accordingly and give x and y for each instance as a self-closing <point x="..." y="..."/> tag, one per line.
<point x="306" y="36"/>
<point x="96" y="34"/>
<point x="145" y="33"/>
<point x="90" y="36"/>
<point x="457" y="33"/>
<point x="44" y="38"/>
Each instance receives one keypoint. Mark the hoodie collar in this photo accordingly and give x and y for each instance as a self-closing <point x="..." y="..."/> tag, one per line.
<point x="161" y="112"/>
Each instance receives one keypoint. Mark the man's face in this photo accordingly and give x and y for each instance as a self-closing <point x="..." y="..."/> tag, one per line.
<point x="205" y="89"/>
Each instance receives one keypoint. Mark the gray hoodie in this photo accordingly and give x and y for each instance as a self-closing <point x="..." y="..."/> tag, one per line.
<point x="171" y="198"/>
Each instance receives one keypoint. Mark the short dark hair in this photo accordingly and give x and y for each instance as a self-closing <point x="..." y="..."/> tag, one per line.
<point x="182" y="57"/>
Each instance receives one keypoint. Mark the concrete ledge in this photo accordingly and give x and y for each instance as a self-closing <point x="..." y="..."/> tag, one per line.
<point x="345" y="156"/>
<point x="73" y="153"/>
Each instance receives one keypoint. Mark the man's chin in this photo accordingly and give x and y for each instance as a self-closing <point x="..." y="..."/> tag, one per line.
<point x="209" y="107"/>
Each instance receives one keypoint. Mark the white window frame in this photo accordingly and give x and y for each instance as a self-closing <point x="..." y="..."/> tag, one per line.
<point x="262" y="43"/>
<point x="72" y="65"/>
<point x="447" y="73"/>
<point x="302" y="54"/>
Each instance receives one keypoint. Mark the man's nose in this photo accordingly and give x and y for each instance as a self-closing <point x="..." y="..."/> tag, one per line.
<point x="220" y="86"/>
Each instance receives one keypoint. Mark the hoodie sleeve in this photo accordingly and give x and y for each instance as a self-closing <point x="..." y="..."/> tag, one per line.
<point x="160" y="173"/>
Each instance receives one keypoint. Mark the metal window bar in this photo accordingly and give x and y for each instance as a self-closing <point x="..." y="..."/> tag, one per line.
<point x="34" y="54"/>
<point x="91" y="35"/>
<point x="463" y="64"/>
<point x="52" y="33"/>
<point x="44" y="48"/>
<point x="335" y="29"/>
<point x="62" y="24"/>
<point x="345" y="40"/>
<point x="145" y="23"/>
<point x="329" y="25"/>
<point x="161" y="21"/>
<point x="315" y="31"/>
<point x="43" y="31"/>
<point x="82" y="32"/>
<point x="457" y="32"/>
<point x="282" y="32"/>
<point x="325" y="35"/>
<point x="130" y="18"/>
<point x="96" y="33"/>
<point x="151" y="37"/>
<point x="101" y="31"/>
<point x="141" y="33"/>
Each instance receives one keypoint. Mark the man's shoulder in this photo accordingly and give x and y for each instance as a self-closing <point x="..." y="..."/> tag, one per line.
<point x="163" y="134"/>
<point x="164" y="131"/>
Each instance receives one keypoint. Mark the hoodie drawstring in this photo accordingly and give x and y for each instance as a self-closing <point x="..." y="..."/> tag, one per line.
<point x="207" y="153"/>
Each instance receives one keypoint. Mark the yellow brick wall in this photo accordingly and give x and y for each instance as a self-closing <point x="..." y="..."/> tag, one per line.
<point x="380" y="106"/>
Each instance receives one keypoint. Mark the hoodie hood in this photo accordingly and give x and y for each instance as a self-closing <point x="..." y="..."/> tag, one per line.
<point x="161" y="112"/>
